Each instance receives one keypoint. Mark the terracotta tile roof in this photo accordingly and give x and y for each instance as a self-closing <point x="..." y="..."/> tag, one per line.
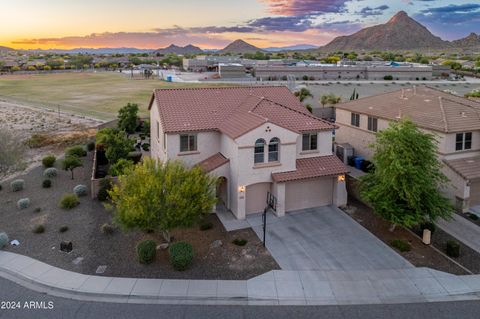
<point x="233" y="110"/>
<point x="213" y="162"/>
<point x="312" y="167"/>
<point x="427" y="107"/>
<point x="468" y="168"/>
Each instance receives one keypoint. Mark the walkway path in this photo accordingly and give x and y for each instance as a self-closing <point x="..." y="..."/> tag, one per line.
<point x="465" y="231"/>
<point x="273" y="288"/>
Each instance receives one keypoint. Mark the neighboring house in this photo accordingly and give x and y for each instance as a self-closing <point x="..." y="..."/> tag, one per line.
<point x="257" y="140"/>
<point x="454" y="120"/>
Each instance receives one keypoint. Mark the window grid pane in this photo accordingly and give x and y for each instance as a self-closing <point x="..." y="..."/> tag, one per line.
<point x="306" y="142"/>
<point x="183" y="143"/>
<point x="313" y="142"/>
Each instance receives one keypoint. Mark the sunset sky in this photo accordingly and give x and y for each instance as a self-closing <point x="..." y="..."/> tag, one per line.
<point x="32" y="24"/>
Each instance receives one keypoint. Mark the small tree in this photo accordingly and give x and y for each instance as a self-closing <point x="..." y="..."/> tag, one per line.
<point x="71" y="162"/>
<point x="330" y="99"/>
<point x="117" y="145"/>
<point x="127" y="118"/>
<point x="404" y="188"/>
<point x="162" y="196"/>
<point x="303" y="94"/>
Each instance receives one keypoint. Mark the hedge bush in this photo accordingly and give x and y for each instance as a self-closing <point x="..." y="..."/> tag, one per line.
<point x="23" y="203"/>
<point x="69" y="201"/>
<point x="105" y="186"/>
<point x="239" y="242"/>
<point x="17" y="185"/>
<point x="46" y="183"/>
<point x="90" y="146"/>
<point x="49" y="161"/>
<point x="63" y="229"/>
<point x="50" y="172"/>
<point x="401" y="245"/>
<point x="80" y="190"/>
<point x="78" y="151"/>
<point x="3" y="240"/>
<point x="181" y="255"/>
<point x="146" y="251"/>
<point x="453" y="249"/>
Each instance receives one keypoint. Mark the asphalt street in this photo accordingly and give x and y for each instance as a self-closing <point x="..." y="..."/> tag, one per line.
<point x="13" y="295"/>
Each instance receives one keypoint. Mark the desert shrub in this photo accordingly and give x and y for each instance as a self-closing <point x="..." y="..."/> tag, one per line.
<point x="120" y="167"/>
<point x="471" y="216"/>
<point x="63" y="229"/>
<point x="46" y="183"/>
<point x="181" y="255"/>
<point x="38" y="140"/>
<point x="239" y="242"/>
<point x="428" y="225"/>
<point x="37" y="210"/>
<point x="453" y="249"/>
<point x="146" y="147"/>
<point x="388" y="77"/>
<point x="48" y="161"/>
<point x="401" y="245"/>
<point x="38" y="229"/>
<point x="77" y="151"/>
<point x="80" y="190"/>
<point x="107" y="229"/>
<point x="146" y="251"/>
<point x="206" y="226"/>
<point x="105" y="186"/>
<point x="90" y="146"/>
<point x="50" y="172"/>
<point x="23" y="203"/>
<point x="135" y="157"/>
<point x="69" y="201"/>
<point x="3" y="240"/>
<point x="17" y="185"/>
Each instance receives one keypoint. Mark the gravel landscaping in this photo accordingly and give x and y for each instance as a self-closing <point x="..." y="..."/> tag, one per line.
<point x="216" y="257"/>
<point x="420" y="254"/>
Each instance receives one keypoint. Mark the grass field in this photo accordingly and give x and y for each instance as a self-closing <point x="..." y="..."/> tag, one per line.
<point x="98" y="95"/>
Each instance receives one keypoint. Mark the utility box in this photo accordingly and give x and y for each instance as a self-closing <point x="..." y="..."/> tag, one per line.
<point x="427" y="236"/>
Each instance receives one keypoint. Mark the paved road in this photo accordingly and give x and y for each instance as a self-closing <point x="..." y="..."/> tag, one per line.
<point x="325" y="238"/>
<point x="66" y="309"/>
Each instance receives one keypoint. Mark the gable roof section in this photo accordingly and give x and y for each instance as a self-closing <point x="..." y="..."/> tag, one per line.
<point x="213" y="162"/>
<point x="233" y="110"/>
<point x="428" y="107"/>
<point x="312" y="167"/>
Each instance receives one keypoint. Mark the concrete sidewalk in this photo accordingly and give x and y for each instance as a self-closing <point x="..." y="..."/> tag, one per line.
<point x="465" y="231"/>
<point x="273" y="288"/>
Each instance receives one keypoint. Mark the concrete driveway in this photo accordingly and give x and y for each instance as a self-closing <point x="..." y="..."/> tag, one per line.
<point x="325" y="238"/>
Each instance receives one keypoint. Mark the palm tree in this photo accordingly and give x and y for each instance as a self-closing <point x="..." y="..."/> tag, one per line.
<point x="303" y="94"/>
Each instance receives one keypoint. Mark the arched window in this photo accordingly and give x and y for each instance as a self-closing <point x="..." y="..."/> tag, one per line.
<point x="273" y="149"/>
<point x="259" y="156"/>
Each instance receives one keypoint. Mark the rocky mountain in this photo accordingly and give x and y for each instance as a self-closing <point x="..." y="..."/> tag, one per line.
<point x="400" y="33"/>
<point x="188" y="49"/>
<point x="298" y="47"/>
<point x="6" y="49"/>
<point x="239" y="46"/>
<point x="472" y="40"/>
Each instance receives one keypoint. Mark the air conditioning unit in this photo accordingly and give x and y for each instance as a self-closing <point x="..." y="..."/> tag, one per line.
<point x="344" y="151"/>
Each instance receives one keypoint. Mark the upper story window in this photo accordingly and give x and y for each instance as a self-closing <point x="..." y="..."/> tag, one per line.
<point x="372" y="124"/>
<point x="273" y="150"/>
<point x="355" y="121"/>
<point x="188" y="142"/>
<point x="309" y="142"/>
<point x="463" y="141"/>
<point x="259" y="152"/>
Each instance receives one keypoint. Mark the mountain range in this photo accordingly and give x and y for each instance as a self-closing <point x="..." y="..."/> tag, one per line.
<point x="188" y="49"/>
<point x="401" y="32"/>
<point x="239" y="46"/>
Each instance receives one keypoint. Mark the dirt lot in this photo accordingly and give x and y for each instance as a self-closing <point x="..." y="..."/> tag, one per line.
<point x="59" y="130"/>
<point x="92" y="248"/>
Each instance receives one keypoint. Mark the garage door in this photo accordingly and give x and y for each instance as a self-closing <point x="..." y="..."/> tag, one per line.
<point x="256" y="197"/>
<point x="308" y="193"/>
<point x="475" y="193"/>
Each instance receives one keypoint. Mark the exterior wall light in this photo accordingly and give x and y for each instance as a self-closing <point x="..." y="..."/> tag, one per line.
<point x="241" y="189"/>
<point x="341" y="178"/>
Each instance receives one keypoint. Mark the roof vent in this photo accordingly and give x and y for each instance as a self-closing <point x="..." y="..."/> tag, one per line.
<point x="427" y="100"/>
<point x="463" y="114"/>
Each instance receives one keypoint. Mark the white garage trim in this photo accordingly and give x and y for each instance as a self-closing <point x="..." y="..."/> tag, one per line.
<point x="309" y="193"/>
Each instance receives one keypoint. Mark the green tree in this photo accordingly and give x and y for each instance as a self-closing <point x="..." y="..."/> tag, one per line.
<point x="404" y="188"/>
<point x="162" y="196"/>
<point x="303" y="94"/>
<point x="116" y="144"/>
<point x="331" y="99"/>
<point x="121" y="167"/>
<point x="128" y="117"/>
<point x="71" y="162"/>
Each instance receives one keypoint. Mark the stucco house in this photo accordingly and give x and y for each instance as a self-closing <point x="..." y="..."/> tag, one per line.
<point x="454" y="120"/>
<point x="256" y="140"/>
